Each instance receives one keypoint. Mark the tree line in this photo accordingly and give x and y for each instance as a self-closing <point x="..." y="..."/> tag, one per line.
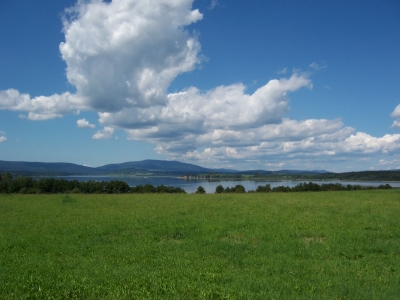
<point x="301" y="187"/>
<point x="28" y="185"/>
<point x="48" y="185"/>
<point x="393" y="175"/>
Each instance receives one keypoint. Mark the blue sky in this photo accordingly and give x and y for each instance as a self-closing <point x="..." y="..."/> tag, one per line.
<point x="239" y="84"/>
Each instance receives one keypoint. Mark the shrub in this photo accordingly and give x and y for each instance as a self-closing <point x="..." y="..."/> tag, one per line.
<point x="219" y="189"/>
<point x="200" y="190"/>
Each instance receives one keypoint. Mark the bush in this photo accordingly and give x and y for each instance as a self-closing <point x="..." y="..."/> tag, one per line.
<point x="75" y="191"/>
<point x="219" y="189"/>
<point x="239" y="189"/>
<point x="263" y="189"/>
<point x="200" y="190"/>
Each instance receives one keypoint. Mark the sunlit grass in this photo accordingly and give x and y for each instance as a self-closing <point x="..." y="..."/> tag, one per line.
<point x="332" y="245"/>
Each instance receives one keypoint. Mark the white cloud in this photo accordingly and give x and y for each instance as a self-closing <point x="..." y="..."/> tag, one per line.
<point x="324" y="141"/>
<point x="83" y="123"/>
<point x="225" y="108"/>
<point x="396" y="112"/>
<point x="119" y="55"/>
<point x="126" y="53"/>
<point x="104" y="134"/>
<point x="392" y="164"/>
<point x="385" y="162"/>
<point x="40" y="108"/>
<point x="396" y="124"/>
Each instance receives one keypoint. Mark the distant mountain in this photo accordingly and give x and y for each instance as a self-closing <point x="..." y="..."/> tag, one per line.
<point x="163" y="166"/>
<point x="157" y="167"/>
<point x="154" y="167"/>
<point x="34" y="168"/>
<point x="176" y="168"/>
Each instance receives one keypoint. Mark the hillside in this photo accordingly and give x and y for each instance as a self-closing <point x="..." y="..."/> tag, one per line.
<point x="157" y="166"/>
<point x="35" y="168"/>
<point x="153" y="167"/>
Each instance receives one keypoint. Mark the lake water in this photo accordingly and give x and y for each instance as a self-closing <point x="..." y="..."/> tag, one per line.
<point x="190" y="186"/>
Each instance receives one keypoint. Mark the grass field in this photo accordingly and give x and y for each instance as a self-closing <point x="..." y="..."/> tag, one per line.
<point x="326" y="245"/>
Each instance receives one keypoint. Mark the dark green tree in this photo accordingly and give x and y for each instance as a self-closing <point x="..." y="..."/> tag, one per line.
<point x="219" y="189"/>
<point x="239" y="189"/>
<point x="263" y="189"/>
<point x="200" y="190"/>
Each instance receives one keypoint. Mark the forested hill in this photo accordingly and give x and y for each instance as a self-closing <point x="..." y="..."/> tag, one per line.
<point x="176" y="168"/>
<point x="40" y="168"/>
<point x="159" y="166"/>
<point x="393" y="175"/>
<point x="144" y="167"/>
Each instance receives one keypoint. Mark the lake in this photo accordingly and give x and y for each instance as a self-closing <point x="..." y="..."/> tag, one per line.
<point x="190" y="186"/>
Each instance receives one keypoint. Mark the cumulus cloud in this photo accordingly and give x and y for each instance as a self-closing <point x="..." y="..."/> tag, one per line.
<point x="127" y="52"/>
<point x="225" y="107"/>
<point x="40" y="108"/>
<point x="105" y="134"/>
<point x="119" y="54"/>
<point x="324" y="147"/>
<point x="83" y="123"/>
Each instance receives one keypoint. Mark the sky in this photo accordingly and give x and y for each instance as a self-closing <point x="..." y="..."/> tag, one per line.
<point x="307" y="85"/>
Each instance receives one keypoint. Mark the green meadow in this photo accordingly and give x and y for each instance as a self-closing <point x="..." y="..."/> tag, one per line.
<point x="321" y="245"/>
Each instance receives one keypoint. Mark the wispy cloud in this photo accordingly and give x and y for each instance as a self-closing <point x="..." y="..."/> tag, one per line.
<point x="213" y="4"/>
<point x="282" y="71"/>
<point x="316" y="66"/>
<point x="392" y="164"/>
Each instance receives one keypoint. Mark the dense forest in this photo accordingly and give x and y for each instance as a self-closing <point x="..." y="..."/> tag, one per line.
<point x="301" y="187"/>
<point x="27" y="185"/>
<point x="393" y="175"/>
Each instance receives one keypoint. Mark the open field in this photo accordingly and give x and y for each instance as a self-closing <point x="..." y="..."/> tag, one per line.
<point x="321" y="245"/>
